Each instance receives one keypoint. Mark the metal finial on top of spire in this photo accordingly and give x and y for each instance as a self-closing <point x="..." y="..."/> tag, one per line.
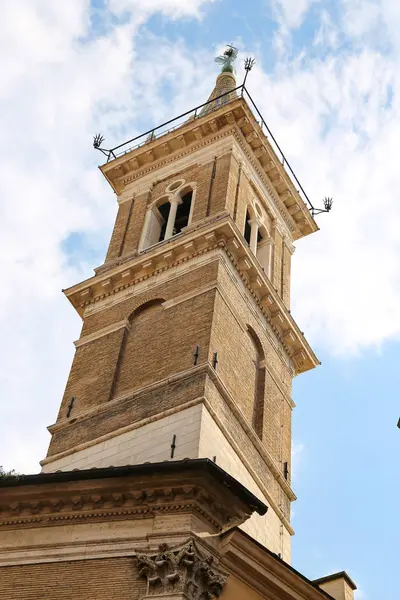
<point x="227" y="59"/>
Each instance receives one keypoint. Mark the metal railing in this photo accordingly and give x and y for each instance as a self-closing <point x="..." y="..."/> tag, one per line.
<point x="197" y="112"/>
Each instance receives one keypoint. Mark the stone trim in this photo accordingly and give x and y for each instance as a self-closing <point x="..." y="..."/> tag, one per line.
<point x="91" y="337"/>
<point x="206" y="368"/>
<point x="104" y="408"/>
<point x="219" y="234"/>
<point x="157" y="166"/>
<point x="269" y="461"/>
<point x="263" y="489"/>
<point x="235" y="116"/>
<point x="185" y="297"/>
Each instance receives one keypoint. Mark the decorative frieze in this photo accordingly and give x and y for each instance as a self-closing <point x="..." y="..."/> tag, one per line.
<point x="65" y="505"/>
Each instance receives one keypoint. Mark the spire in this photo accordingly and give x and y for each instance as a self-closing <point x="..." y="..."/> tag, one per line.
<point x="226" y="81"/>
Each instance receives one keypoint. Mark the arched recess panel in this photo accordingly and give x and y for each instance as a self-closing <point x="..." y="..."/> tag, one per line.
<point x="160" y="341"/>
<point x="237" y="357"/>
<point x="259" y="384"/>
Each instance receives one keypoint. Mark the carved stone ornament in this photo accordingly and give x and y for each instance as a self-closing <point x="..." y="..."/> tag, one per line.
<point x="181" y="573"/>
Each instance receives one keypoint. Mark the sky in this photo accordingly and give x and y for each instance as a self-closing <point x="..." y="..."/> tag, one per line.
<point x="327" y="80"/>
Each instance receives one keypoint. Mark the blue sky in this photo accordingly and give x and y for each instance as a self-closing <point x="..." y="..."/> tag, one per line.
<point x="327" y="82"/>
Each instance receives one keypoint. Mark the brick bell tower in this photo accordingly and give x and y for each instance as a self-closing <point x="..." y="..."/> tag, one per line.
<point x="188" y="348"/>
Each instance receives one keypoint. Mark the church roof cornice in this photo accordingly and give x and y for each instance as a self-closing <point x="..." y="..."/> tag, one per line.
<point x="111" y="492"/>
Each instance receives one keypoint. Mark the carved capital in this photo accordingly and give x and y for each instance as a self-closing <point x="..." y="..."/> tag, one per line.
<point x="180" y="573"/>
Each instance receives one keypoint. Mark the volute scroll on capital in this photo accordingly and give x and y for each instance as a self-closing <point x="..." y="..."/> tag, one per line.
<point x="180" y="573"/>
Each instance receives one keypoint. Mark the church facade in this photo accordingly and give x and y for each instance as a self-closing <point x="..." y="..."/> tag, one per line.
<point x="169" y="467"/>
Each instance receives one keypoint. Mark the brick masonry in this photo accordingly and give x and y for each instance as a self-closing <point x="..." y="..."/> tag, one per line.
<point x="88" y="580"/>
<point x="134" y="363"/>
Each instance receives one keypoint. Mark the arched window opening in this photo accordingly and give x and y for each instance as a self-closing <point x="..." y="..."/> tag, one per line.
<point x="167" y="217"/>
<point x="259" y="385"/>
<point x="183" y="212"/>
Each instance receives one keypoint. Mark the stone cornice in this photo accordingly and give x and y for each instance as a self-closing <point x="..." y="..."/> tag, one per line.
<point x="221" y="234"/>
<point x="233" y="118"/>
<point x="143" y="490"/>
<point x="244" y="424"/>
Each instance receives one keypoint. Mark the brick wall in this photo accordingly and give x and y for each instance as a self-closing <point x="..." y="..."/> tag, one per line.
<point x="131" y="217"/>
<point x="99" y="579"/>
<point x="164" y="338"/>
<point x="148" y="403"/>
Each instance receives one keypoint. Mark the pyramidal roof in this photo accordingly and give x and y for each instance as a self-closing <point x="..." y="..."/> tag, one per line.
<point x="225" y="84"/>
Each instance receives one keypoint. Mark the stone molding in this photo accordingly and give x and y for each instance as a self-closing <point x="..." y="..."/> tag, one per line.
<point x="181" y="572"/>
<point x="246" y="426"/>
<point x="221" y="234"/>
<point x="242" y="421"/>
<point x="105" y="407"/>
<point x="185" y="297"/>
<point x="234" y="117"/>
<point x="85" y="339"/>
<point x="64" y="504"/>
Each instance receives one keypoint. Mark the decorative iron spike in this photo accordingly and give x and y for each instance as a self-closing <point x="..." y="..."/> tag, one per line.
<point x="98" y="139"/>
<point x="70" y="406"/>
<point x="328" y="203"/>
<point x="173" y="446"/>
<point x="249" y="63"/>
<point x="215" y="360"/>
<point x="286" y="470"/>
<point x="196" y="355"/>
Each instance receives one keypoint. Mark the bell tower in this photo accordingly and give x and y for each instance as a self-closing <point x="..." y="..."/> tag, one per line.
<point x="188" y="348"/>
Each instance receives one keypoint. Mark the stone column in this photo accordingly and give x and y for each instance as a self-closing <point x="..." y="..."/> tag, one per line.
<point x="264" y="255"/>
<point x="174" y="203"/>
<point x="253" y="236"/>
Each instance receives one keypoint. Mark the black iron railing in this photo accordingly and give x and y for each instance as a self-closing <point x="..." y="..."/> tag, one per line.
<point x="195" y="113"/>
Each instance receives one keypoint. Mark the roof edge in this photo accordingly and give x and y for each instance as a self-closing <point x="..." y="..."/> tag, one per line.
<point x="196" y="465"/>
<point x="334" y="576"/>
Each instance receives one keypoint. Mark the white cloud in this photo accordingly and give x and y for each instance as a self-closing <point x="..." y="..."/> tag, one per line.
<point x="328" y="33"/>
<point x="292" y="13"/>
<point x="335" y="116"/>
<point x="172" y="8"/>
<point x="360" y="17"/>
<point x="59" y="85"/>
<point x="337" y="119"/>
<point x="298" y="451"/>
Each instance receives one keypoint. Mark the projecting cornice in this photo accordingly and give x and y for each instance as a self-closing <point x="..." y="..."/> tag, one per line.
<point x="110" y="493"/>
<point x="217" y="235"/>
<point x="234" y="118"/>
